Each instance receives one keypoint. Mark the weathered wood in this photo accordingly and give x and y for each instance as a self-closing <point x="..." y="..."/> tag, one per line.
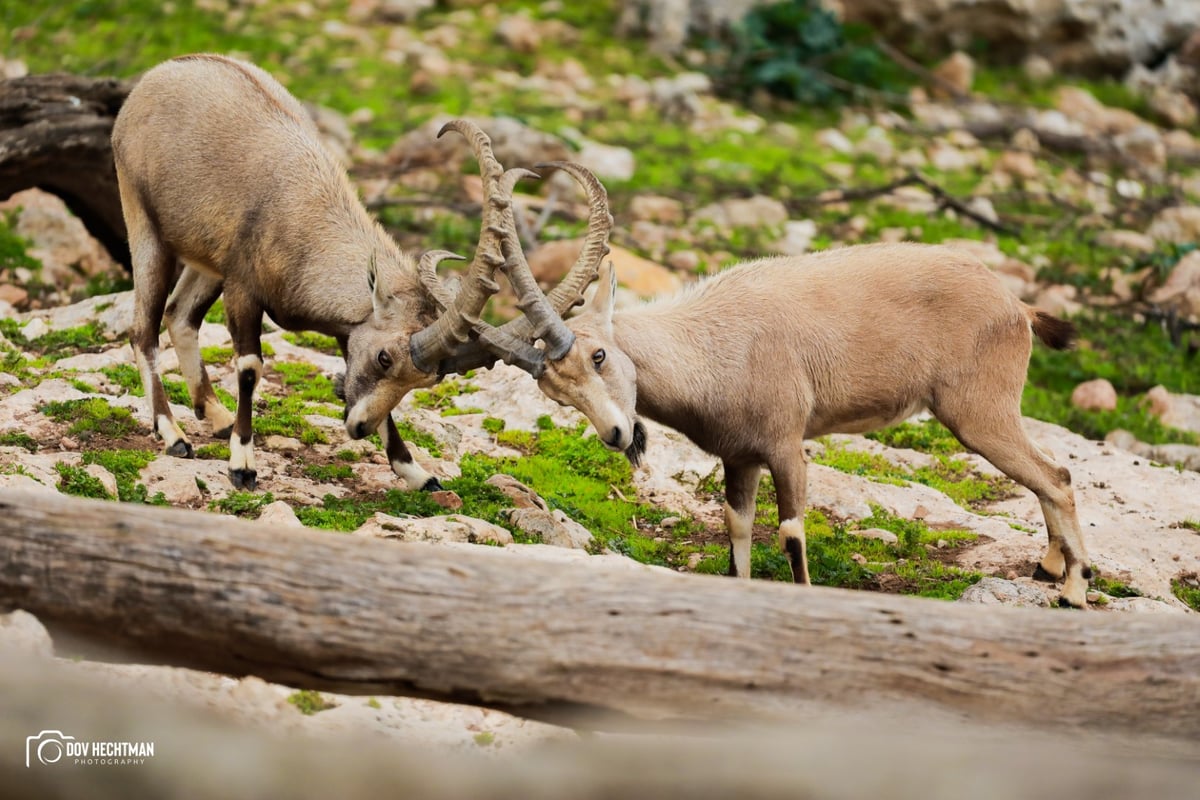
<point x="54" y="135"/>
<point x="320" y="610"/>
<point x="201" y="755"/>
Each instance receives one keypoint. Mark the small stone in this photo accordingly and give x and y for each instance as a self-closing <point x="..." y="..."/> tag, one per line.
<point x="447" y="499"/>
<point x="67" y="443"/>
<point x="858" y="558"/>
<point x="942" y="544"/>
<point x="694" y="560"/>
<point x="520" y="494"/>
<point x="282" y="444"/>
<point x="36" y="328"/>
<point x="13" y="295"/>
<point x="106" y="478"/>
<point x="280" y="514"/>
<point x="955" y="75"/>
<point x="1095" y="395"/>
<point x="657" y="208"/>
<point x="22" y="632"/>
<point x="879" y="534"/>
<point x="1094" y="596"/>
<point x="670" y="522"/>
<point x="684" y="260"/>
<point x="1011" y="575"/>
<point x="997" y="591"/>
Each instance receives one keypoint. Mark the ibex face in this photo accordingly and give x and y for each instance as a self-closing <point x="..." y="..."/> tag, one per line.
<point x="379" y="368"/>
<point x="596" y="377"/>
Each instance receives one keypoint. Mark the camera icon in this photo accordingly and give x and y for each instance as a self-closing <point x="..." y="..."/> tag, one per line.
<point x="47" y="747"/>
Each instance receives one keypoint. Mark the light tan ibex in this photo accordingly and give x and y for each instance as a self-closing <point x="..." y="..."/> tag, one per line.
<point x="750" y="363"/>
<point x="226" y="188"/>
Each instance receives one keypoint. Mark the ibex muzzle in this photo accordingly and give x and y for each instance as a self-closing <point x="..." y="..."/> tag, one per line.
<point x="227" y="189"/>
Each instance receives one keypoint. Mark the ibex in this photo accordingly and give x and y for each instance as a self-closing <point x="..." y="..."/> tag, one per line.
<point x="227" y="189"/>
<point x="750" y="363"/>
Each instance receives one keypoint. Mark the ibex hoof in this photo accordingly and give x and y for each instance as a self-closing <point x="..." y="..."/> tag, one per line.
<point x="244" y="479"/>
<point x="1063" y="602"/>
<point x="224" y="433"/>
<point x="432" y="485"/>
<point x="1041" y="574"/>
<point x="182" y="448"/>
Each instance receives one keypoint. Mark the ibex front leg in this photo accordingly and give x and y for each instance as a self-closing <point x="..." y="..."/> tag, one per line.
<point x="403" y="464"/>
<point x="194" y="294"/>
<point x="245" y="326"/>
<point x="789" y="470"/>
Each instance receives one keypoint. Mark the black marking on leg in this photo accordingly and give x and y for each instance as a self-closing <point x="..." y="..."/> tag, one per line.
<point x="1063" y="602"/>
<point x="244" y="479"/>
<point x="1087" y="573"/>
<point x="181" y="449"/>
<point x="198" y="410"/>
<point x="733" y="573"/>
<point x="224" y="433"/>
<point x="796" y="557"/>
<point x="1043" y="575"/>
<point x="432" y="485"/>
<point x="247" y="380"/>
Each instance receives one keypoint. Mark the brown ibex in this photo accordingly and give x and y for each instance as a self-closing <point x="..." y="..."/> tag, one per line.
<point x="750" y="363"/>
<point x="227" y="189"/>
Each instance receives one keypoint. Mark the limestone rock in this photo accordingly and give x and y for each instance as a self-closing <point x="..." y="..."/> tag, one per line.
<point x="520" y="494"/>
<point x="887" y="537"/>
<point x="749" y="212"/>
<point x="21" y="632"/>
<point x="279" y="514"/>
<point x="451" y="528"/>
<point x="657" y="208"/>
<point x="644" y="277"/>
<point x="999" y="591"/>
<point x="554" y="527"/>
<point x="1095" y="395"/>
<point x="1181" y="290"/>
<point x="1177" y="225"/>
<point x="957" y="73"/>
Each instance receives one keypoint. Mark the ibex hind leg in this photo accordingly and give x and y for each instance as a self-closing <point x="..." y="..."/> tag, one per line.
<point x="1000" y="438"/>
<point x="741" y="486"/>
<point x="245" y="326"/>
<point x="154" y="270"/>
<point x="790" y="472"/>
<point x="193" y="296"/>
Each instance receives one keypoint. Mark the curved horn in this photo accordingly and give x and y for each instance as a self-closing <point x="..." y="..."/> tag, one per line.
<point x="429" y="346"/>
<point x="427" y="274"/>
<point x="542" y="317"/>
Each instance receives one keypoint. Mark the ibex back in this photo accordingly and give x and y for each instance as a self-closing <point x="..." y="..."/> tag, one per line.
<point x="226" y="187"/>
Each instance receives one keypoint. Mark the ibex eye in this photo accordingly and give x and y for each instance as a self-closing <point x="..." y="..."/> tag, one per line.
<point x="385" y="361"/>
<point x="598" y="358"/>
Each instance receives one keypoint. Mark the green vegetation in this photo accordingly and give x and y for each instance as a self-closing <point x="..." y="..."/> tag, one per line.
<point x="373" y="703"/>
<point x="306" y="382"/>
<point x="215" y="450"/>
<point x="242" y="504"/>
<point x="798" y="50"/>
<point x="1187" y="589"/>
<point x="126" y="466"/>
<point x="126" y="376"/>
<point x="91" y="417"/>
<point x="70" y="341"/>
<point x="216" y="355"/>
<point x="1113" y="588"/>
<point x="18" y="439"/>
<point x="75" y="480"/>
<point x="926" y="436"/>
<point x="485" y="738"/>
<point x="442" y="396"/>
<point x="314" y="341"/>
<point x="326" y="473"/>
<point x="310" y="701"/>
<point x="14" y="247"/>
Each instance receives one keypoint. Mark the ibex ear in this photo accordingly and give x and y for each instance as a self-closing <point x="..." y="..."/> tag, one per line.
<point x="604" y="301"/>
<point x="379" y="297"/>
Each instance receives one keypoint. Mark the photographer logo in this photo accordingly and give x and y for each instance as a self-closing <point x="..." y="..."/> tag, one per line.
<point x="54" y="747"/>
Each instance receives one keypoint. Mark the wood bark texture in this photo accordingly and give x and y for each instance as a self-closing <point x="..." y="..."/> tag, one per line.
<point x="54" y="135"/>
<point x="478" y="624"/>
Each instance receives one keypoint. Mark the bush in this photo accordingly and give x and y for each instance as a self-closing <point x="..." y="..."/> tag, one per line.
<point x="797" y="50"/>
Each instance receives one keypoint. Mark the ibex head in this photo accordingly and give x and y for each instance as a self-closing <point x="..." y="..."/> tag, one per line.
<point x="381" y="366"/>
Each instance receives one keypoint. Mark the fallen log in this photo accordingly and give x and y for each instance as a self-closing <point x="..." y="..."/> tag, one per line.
<point x="54" y="135"/>
<point x="320" y="610"/>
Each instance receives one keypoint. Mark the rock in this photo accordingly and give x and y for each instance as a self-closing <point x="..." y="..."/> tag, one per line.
<point x="35" y="329"/>
<point x="1142" y="605"/>
<point x="1177" y="225"/>
<point x="1181" y="290"/>
<point x="858" y="558"/>
<point x="21" y="632"/>
<point x="1173" y="106"/>
<point x="1037" y="68"/>
<point x="282" y="444"/>
<point x="1143" y="145"/>
<point x="1177" y="410"/>
<point x="279" y="514"/>
<point x="13" y="295"/>
<point x="520" y="494"/>
<point x="113" y="312"/>
<point x="1082" y="35"/>
<point x="1018" y="164"/>
<point x="1133" y="241"/>
<point x="1095" y="395"/>
<point x="106" y="478"/>
<point x="684" y="260"/>
<point x="644" y="277"/>
<point x="60" y="240"/>
<point x="657" y="208"/>
<point x="445" y="529"/>
<point x="553" y="527"/>
<point x="1058" y="300"/>
<point x="955" y="75"/>
<point x="835" y="140"/>
<point x="514" y="143"/>
<point x="887" y="537"/>
<point x="609" y="162"/>
<point x="1082" y="106"/>
<point x="998" y="591"/>
<point x="749" y="212"/>
<point x="447" y="499"/>
<point x="797" y="237"/>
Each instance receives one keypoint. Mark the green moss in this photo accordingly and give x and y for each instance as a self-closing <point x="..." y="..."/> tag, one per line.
<point x="325" y="473"/>
<point x="126" y="467"/>
<point x="1187" y="589"/>
<point x="485" y="738"/>
<point x="493" y="425"/>
<point x="126" y="376"/>
<point x="285" y="416"/>
<point x="442" y="395"/>
<point x="306" y="382"/>
<point x="91" y="416"/>
<point x="926" y="436"/>
<point x="216" y="450"/>
<point x="242" y="504"/>
<point x="14" y="248"/>
<point x="1112" y="587"/>
<point x="216" y="355"/>
<point x="82" y="386"/>
<point x="19" y="439"/>
<point x="75" y="480"/>
<point x="314" y="341"/>
<point x="410" y="433"/>
<point x="70" y="341"/>
<point x="177" y="392"/>
<point x="309" y="702"/>
<point x="373" y="703"/>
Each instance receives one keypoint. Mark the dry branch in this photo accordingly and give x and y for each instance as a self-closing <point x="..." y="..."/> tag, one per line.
<point x="319" y="610"/>
<point x="54" y="135"/>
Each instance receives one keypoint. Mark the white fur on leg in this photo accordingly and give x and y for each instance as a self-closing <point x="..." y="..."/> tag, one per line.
<point x="241" y="456"/>
<point x="250" y="362"/>
<point x="169" y="430"/>
<point x="414" y="476"/>
<point x="794" y="529"/>
<point x="739" y="528"/>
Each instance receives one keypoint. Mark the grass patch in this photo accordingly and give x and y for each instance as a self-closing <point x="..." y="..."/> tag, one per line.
<point x="441" y="396"/>
<point x="19" y="439"/>
<point x="306" y="382"/>
<point x="310" y="701"/>
<point x="126" y="466"/>
<point x="314" y="341"/>
<point x="75" y="480"/>
<point x="327" y="473"/>
<point x="91" y="416"/>
<point x="126" y="376"/>
<point x="1187" y="589"/>
<point x="70" y="341"/>
<point x="926" y="436"/>
<point x="216" y="355"/>
<point x="215" y="450"/>
<point x="242" y="504"/>
<point x="1113" y="588"/>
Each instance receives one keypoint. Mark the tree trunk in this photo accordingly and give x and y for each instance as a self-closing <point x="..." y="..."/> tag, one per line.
<point x="478" y="624"/>
<point x="55" y="135"/>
